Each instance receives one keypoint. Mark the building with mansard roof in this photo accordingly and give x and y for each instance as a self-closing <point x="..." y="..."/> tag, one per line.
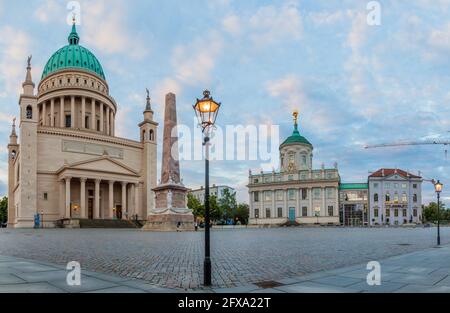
<point x="296" y="193"/>
<point x="66" y="163"/>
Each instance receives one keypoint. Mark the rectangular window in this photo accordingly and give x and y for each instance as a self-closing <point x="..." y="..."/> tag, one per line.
<point x="330" y="210"/>
<point x="256" y="213"/>
<point x="256" y="181"/>
<point x="267" y="195"/>
<point x="68" y="121"/>
<point x="375" y="185"/>
<point x="404" y="212"/>
<point x="403" y="186"/>
<point x="396" y="212"/>
<point x="316" y="193"/>
<point x="267" y="213"/>
<point x="291" y="193"/>
<point x="304" y="211"/>
<point x="415" y="212"/>
<point x="375" y="212"/>
<point x="304" y="193"/>
<point x="279" y="195"/>
<point x="415" y="186"/>
<point x="256" y="196"/>
<point x="280" y="212"/>
<point x="388" y="212"/>
<point x="330" y="193"/>
<point x="387" y="185"/>
<point x="395" y="185"/>
<point x="45" y="196"/>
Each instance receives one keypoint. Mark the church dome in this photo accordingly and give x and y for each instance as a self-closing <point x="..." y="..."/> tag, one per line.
<point x="296" y="138"/>
<point x="73" y="56"/>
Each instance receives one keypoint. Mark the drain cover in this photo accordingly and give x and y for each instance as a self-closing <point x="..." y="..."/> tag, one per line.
<point x="268" y="284"/>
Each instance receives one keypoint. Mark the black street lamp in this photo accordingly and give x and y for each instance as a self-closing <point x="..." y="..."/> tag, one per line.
<point x="438" y="188"/>
<point x="206" y="110"/>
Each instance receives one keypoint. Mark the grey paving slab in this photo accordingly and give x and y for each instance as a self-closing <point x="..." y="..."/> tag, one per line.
<point x="119" y="289"/>
<point x="26" y="268"/>
<point x="338" y="281"/>
<point x="385" y="287"/>
<point x="426" y="280"/>
<point x="412" y="288"/>
<point x="145" y="286"/>
<point x="312" y="287"/>
<point x="30" y="288"/>
<point x="46" y="276"/>
<point x="10" y="279"/>
<point x="87" y="284"/>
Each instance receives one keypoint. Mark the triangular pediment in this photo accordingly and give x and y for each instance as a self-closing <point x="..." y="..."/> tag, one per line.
<point x="103" y="164"/>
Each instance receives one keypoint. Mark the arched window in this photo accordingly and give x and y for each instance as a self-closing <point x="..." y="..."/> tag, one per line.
<point x="13" y="155"/>
<point x="29" y="112"/>
<point x="388" y="197"/>
<point x="143" y="135"/>
<point x="152" y="135"/>
<point x="375" y="197"/>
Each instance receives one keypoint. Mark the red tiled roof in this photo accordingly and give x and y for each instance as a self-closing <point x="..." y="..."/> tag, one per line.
<point x="391" y="171"/>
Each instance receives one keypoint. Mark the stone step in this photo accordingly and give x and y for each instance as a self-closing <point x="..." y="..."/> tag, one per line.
<point x="87" y="223"/>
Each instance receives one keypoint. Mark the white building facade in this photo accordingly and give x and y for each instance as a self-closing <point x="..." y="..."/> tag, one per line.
<point x="216" y="191"/>
<point x="395" y="197"/>
<point x="297" y="194"/>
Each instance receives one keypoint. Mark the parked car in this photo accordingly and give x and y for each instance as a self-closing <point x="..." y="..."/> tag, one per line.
<point x="3" y="225"/>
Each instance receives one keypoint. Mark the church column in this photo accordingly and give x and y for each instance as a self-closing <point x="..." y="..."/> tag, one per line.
<point x="83" y="197"/>
<point x="62" y="201"/>
<point x="310" y="207"/>
<point x="97" y="199"/>
<point x="136" y="199"/>
<point x="286" y="209"/>
<point x="72" y="112"/>
<point x="61" y="113"/>
<point x="107" y="121"/>
<point x="83" y="112"/>
<point x="101" y="117"/>
<point x="324" y="209"/>
<point x="52" y="112"/>
<point x="111" y="199"/>
<point x="44" y="113"/>
<point x="67" y="215"/>
<point x="93" y="117"/>
<point x="113" y="124"/>
<point x="299" y="208"/>
<point x="124" y="199"/>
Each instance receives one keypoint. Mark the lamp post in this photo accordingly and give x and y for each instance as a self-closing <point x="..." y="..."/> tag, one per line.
<point x="206" y="110"/>
<point x="438" y="188"/>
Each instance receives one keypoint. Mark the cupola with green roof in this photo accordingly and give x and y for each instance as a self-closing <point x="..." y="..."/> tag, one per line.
<point x="296" y="137"/>
<point x="73" y="56"/>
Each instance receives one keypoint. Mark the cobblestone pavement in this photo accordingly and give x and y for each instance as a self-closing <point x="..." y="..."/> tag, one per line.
<point x="240" y="257"/>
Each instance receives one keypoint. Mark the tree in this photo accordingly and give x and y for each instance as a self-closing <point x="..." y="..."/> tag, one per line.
<point x="4" y="210"/>
<point x="242" y="213"/>
<point x="430" y="212"/>
<point x="198" y="209"/>
<point x="215" y="211"/>
<point x="228" y="204"/>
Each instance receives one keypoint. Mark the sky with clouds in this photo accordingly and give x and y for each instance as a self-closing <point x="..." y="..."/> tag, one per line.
<point x="354" y="84"/>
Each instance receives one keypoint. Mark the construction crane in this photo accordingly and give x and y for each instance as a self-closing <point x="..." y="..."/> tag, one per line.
<point x="438" y="141"/>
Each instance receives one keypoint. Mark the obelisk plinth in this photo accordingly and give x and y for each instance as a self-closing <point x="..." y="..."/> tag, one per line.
<point x="171" y="212"/>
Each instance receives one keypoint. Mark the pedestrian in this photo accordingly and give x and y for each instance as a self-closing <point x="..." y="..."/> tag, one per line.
<point x="178" y="226"/>
<point x="196" y="226"/>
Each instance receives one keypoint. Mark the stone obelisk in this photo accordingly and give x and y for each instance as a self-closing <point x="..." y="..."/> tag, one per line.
<point x="171" y="212"/>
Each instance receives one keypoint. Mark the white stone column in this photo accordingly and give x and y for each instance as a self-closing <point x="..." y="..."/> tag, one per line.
<point x="101" y="117"/>
<point x="299" y="209"/>
<point x="62" y="114"/>
<point x="286" y="206"/>
<point x="44" y="113"/>
<point x="52" y="112"/>
<point x="111" y="199"/>
<point x="113" y="124"/>
<point x="137" y="207"/>
<point x="72" y="112"/>
<point x="68" y="208"/>
<point x="324" y="209"/>
<point x="124" y="199"/>
<point x="97" y="199"/>
<point x="83" y="112"/>
<point x="310" y="207"/>
<point x="93" y="115"/>
<point x="83" y="197"/>
<point x="62" y="201"/>
<point x="107" y="121"/>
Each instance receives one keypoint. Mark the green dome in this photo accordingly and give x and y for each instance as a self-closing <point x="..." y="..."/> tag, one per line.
<point x="296" y="138"/>
<point x="73" y="56"/>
